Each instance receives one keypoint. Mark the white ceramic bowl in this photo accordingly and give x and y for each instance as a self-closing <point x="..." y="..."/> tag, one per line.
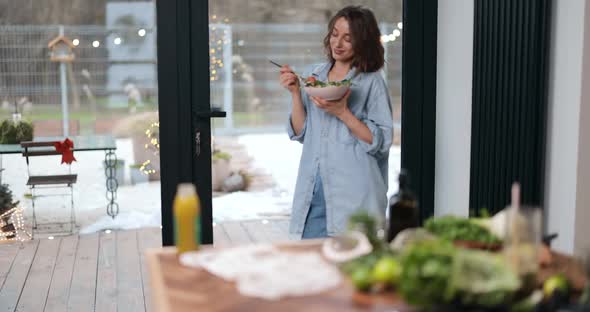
<point x="328" y="93"/>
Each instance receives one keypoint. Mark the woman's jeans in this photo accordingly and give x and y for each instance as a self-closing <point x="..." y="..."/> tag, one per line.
<point x="315" y="223"/>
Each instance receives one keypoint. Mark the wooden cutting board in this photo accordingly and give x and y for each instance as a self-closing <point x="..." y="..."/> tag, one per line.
<point x="179" y="288"/>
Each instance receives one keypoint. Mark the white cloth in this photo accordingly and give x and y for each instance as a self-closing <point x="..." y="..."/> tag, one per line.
<point x="263" y="271"/>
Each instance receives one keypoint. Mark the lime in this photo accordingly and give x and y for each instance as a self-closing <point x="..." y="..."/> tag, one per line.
<point x="361" y="278"/>
<point x="387" y="270"/>
<point x="555" y="283"/>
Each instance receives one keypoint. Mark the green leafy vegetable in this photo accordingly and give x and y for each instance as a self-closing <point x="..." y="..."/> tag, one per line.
<point x="426" y="272"/>
<point x="364" y="222"/>
<point x="460" y="229"/>
<point x="435" y="273"/>
<point x="482" y="279"/>
<point x="317" y="83"/>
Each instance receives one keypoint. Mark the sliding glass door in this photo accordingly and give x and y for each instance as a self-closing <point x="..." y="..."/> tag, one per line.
<point x="213" y="62"/>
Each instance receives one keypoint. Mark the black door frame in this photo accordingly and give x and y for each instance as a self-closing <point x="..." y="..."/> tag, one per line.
<point x="419" y="99"/>
<point x="183" y="83"/>
<point x="184" y="108"/>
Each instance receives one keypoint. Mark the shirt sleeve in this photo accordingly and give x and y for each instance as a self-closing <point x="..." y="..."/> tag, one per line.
<point x="379" y="119"/>
<point x="290" y="131"/>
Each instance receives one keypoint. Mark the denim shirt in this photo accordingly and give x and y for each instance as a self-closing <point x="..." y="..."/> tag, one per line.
<point x="354" y="173"/>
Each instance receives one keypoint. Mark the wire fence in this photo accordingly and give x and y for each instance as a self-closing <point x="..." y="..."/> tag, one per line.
<point x="114" y="65"/>
<point x="100" y="54"/>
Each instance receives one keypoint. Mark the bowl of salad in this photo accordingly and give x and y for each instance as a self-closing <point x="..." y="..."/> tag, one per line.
<point x="332" y="90"/>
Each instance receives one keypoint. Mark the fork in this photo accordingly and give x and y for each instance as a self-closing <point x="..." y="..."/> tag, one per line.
<point x="279" y="65"/>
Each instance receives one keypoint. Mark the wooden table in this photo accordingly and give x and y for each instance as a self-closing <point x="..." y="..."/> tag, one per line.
<point x="179" y="288"/>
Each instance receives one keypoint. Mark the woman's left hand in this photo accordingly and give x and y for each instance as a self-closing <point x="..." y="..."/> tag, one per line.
<point x="337" y="107"/>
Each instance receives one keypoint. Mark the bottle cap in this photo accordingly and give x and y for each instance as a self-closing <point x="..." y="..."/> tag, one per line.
<point x="186" y="190"/>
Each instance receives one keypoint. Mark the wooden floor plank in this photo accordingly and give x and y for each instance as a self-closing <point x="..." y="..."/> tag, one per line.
<point x="256" y="230"/>
<point x="236" y="233"/>
<point x="276" y="231"/>
<point x="83" y="288"/>
<point x="34" y="294"/>
<point x="220" y="237"/>
<point x="129" y="284"/>
<point x="106" y="277"/>
<point x="8" y="252"/>
<point x="282" y="227"/>
<point x="59" y="290"/>
<point x="147" y="238"/>
<point x="15" y="280"/>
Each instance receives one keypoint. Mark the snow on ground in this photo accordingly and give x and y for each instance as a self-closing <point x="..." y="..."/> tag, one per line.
<point x="140" y="204"/>
<point x="279" y="156"/>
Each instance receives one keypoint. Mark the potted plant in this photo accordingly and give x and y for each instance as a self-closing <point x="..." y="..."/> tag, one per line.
<point x="220" y="169"/>
<point x="137" y="175"/>
<point x="14" y="132"/>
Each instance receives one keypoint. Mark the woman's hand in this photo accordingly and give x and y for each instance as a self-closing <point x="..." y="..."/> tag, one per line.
<point x="338" y="108"/>
<point x="289" y="80"/>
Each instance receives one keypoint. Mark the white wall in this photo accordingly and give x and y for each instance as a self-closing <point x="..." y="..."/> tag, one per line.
<point x="453" y="107"/>
<point x="562" y="190"/>
<point x="582" y="234"/>
<point x="567" y="188"/>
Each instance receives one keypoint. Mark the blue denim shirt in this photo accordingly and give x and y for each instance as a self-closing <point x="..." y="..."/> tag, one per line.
<point x="353" y="173"/>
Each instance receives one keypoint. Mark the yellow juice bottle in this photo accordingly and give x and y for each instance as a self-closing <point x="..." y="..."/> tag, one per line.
<point x="187" y="221"/>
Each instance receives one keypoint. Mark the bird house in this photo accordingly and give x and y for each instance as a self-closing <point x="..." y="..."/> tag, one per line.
<point x="61" y="49"/>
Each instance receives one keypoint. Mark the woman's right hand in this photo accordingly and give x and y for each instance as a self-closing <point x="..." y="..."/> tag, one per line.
<point x="289" y="80"/>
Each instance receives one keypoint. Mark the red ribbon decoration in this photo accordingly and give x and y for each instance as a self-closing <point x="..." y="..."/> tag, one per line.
<point x="65" y="148"/>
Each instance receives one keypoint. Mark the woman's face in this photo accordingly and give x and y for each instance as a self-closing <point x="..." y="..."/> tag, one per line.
<point x="341" y="41"/>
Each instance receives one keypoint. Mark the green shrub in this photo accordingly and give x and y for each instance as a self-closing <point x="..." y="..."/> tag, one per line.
<point x="14" y="133"/>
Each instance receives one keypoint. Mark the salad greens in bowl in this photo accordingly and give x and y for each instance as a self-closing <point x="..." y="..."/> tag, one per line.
<point x="331" y="90"/>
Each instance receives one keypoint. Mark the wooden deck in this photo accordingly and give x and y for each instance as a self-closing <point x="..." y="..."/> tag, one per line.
<point x="101" y="271"/>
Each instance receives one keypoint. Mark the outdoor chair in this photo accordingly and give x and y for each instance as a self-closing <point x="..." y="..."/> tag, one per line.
<point x="57" y="181"/>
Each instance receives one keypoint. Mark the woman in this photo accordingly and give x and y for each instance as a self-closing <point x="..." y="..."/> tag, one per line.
<point x="343" y="167"/>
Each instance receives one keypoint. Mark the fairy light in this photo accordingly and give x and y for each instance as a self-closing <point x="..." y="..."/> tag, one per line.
<point x="153" y="135"/>
<point x="146" y="167"/>
<point x="16" y="217"/>
<point x="394" y="34"/>
<point x="217" y="40"/>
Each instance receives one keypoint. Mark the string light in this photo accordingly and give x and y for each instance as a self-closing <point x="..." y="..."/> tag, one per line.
<point x="146" y="167"/>
<point x="394" y="34"/>
<point x="19" y="233"/>
<point x="217" y="40"/>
